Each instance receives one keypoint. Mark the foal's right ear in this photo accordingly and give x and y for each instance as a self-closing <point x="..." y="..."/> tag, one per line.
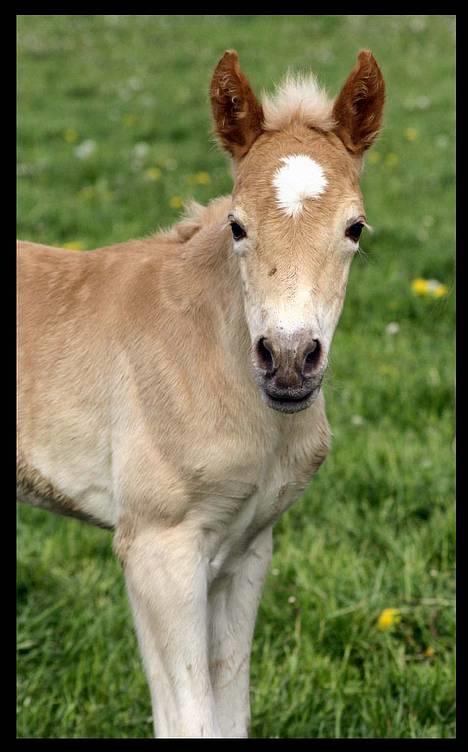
<point x="238" y="116"/>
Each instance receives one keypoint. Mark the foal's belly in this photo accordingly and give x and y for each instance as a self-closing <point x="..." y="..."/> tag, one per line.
<point x="74" y="486"/>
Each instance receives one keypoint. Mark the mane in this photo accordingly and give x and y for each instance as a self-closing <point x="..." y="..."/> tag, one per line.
<point x="298" y="99"/>
<point x="195" y="217"/>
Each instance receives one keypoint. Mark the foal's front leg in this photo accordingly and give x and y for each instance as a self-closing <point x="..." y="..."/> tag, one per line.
<point x="167" y="587"/>
<point x="233" y="602"/>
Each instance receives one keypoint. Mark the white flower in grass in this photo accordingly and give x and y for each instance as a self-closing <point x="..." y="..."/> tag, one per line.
<point x="392" y="328"/>
<point x="292" y="599"/>
<point x="357" y="420"/>
<point x="85" y="149"/>
<point x="423" y="103"/>
<point x="140" y="150"/>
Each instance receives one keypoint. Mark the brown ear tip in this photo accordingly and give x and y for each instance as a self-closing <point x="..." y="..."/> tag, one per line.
<point x="365" y="57"/>
<point x="230" y="54"/>
<point x="228" y="62"/>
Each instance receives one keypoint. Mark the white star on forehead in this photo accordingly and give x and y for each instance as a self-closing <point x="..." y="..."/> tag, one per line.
<point x="299" y="178"/>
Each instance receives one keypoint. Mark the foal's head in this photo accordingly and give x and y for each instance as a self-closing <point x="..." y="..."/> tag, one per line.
<point x="297" y="214"/>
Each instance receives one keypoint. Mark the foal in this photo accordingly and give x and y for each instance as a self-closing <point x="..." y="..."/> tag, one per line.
<point x="170" y="388"/>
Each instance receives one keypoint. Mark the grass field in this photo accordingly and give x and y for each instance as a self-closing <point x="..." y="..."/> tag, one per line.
<point x="114" y="132"/>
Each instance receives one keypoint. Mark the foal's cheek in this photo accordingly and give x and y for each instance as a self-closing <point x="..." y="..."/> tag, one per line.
<point x="335" y="299"/>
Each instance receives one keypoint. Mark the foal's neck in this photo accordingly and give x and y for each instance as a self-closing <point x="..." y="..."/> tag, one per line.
<point x="214" y="281"/>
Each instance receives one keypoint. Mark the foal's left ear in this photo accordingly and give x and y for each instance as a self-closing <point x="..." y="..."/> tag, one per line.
<point x="358" y="108"/>
<point x="237" y="114"/>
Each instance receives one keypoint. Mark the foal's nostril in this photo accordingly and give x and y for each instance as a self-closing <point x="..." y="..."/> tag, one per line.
<point x="311" y="358"/>
<point x="265" y="355"/>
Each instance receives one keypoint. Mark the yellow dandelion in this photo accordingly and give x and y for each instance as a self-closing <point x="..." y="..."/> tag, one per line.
<point x="392" y="159"/>
<point x="435" y="288"/>
<point x="74" y="245"/>
<point x="374" y="157"/>
<point x="175" y="202"/>
<point x="429" y="652"/>
<point x="152" y="173"/>
<point x="202" y="178"/>
<point x="388" y="618"/>
<point x="70" y="136"/>
<point x="420" y="286"/>
<point x="411" y="134"/>
<point x="431" y="287"/>
<point x="128" y="119"/>
<point x="440" y="291"/>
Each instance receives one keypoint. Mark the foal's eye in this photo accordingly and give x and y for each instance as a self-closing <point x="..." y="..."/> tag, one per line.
<point x="354" y="231"/>
<point x="238" y="232"/>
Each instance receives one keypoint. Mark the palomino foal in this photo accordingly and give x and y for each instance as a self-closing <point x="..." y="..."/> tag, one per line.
<point x="170" y="388"/>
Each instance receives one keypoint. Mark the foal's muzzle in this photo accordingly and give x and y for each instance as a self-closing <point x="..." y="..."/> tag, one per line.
<point x="289" y="371"/>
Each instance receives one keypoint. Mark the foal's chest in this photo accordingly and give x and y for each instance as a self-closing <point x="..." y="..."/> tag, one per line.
<point x="256" y="488"/>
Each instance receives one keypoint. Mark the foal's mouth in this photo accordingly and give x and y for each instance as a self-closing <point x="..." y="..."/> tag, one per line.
<point x="290" y="401"/>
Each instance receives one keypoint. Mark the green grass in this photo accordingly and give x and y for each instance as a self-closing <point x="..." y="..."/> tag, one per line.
<point x="376" y="527"/>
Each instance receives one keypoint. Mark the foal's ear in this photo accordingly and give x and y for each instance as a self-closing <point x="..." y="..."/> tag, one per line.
<point x="358" y="108"/>
<point x="237" y="114"/>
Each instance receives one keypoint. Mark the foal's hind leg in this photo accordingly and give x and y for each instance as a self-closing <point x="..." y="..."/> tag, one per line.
<point x="233" y="609"/>
<point x="167" y="587"/>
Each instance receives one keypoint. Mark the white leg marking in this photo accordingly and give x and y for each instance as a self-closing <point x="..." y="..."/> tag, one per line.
<point x="167" y="586"/>
<point x="233" y="605"/>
